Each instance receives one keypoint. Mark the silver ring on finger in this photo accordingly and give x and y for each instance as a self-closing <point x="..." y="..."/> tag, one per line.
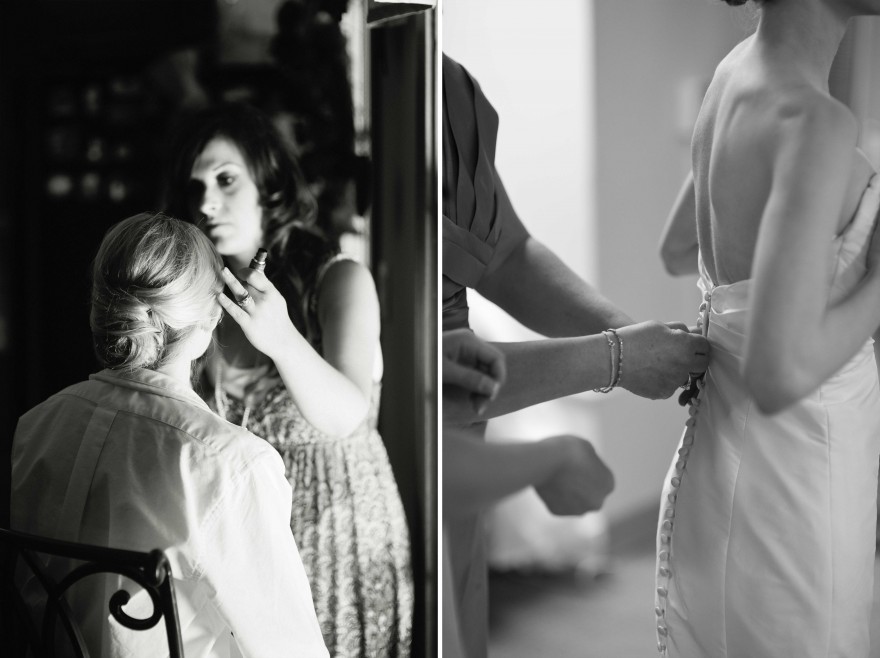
<point x="247" y="300"/>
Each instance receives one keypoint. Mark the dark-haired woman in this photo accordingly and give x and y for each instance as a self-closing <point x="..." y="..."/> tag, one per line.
<point x="300" y="365"/>
<point x="766" y="536"/>
<point x="134" y="459"/>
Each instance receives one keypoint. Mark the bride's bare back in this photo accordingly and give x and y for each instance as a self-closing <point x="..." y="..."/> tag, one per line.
<point x="754" y="109"/>
<point x="776" y="175"/>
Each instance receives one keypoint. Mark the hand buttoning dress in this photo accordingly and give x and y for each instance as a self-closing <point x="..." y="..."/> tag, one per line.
<point x="767" y="523"/>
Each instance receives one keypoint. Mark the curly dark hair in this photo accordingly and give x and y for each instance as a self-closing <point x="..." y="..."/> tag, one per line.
<point x="297" y="247"/>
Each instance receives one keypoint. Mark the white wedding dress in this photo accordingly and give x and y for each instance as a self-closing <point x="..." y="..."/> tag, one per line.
<point x="767" y="523"/>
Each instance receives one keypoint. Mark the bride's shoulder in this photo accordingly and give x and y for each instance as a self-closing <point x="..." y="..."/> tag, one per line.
<point x="776" y="98"/>
<point x="804" y="114"/>
<point x="804" y="102"/>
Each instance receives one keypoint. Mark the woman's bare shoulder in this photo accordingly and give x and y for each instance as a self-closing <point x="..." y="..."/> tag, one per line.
<point x="775" y="97"/>
<point x="805" y="103"/>
<point x="809" y="121"/>
<point x="779" y="116"/>
<point x="346" y="283"/>
<point x="344" y="272"/>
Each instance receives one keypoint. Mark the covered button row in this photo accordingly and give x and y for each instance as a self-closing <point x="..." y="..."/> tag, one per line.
<point x="666" y="526"/>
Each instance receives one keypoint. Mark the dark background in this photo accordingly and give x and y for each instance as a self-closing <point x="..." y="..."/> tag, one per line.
<point x="84" y="112"/>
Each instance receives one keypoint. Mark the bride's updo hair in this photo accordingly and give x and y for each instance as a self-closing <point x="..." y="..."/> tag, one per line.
<point x="155" y="279"/>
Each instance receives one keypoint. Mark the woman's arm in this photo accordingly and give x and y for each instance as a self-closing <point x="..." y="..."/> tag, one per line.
<point x="348" y="315"/>
<point x="332" y="392"/>
<point x="796" y="338"/>
<point x="565" y="470"/>
<point x="533" y="285"/>
<point x="657" y="359"/>
<point x="678" y="242"/>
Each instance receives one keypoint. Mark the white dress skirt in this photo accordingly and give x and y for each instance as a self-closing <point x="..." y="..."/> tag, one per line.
<point x="766" y="538"/>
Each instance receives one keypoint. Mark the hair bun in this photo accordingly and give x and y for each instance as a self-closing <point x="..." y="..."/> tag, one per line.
<point x="127" y="332"/>
<point x="155" y="280"/>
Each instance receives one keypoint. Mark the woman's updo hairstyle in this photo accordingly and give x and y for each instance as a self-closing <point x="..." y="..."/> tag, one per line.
<point x="155" y="279"/>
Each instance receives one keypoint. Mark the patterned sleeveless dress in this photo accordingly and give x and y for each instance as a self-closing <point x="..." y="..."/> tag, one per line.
<point x="347" y="518"/>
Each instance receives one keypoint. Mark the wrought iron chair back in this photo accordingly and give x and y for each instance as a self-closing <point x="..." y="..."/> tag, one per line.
<point x="149" y="570"/>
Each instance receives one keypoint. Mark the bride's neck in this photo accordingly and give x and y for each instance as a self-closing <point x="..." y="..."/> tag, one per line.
<point x="179" y="369"/>
<point x="805" y="33"/>
<point x="179" y="364"/>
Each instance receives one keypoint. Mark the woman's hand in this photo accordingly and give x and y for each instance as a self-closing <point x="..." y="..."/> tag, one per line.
<point x="327" y="388"/>
<point x="260" y="310"/>
<point x="581" y="480"/>
<point x="473" y="372"/>
<point x="658" y="358"/>
<point x="565" y="471"/>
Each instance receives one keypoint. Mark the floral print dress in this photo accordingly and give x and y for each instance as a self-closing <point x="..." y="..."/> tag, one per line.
<point x="347" y="516"/>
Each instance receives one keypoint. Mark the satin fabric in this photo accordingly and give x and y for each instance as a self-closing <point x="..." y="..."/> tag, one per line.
<point x="766" y="536"/>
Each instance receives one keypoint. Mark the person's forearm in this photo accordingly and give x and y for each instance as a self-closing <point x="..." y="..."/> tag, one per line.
<point x="814" y="351"/>
<point x="534" y="286"/>
<point x="326" y="398"/>
<point x="477" y="474"/>
<point x="542" y="370"/>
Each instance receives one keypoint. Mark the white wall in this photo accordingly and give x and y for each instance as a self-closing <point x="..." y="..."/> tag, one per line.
<point x="536" y="69"/>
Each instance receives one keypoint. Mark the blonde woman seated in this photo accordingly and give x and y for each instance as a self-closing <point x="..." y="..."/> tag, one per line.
<point x="133" y="458"/>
